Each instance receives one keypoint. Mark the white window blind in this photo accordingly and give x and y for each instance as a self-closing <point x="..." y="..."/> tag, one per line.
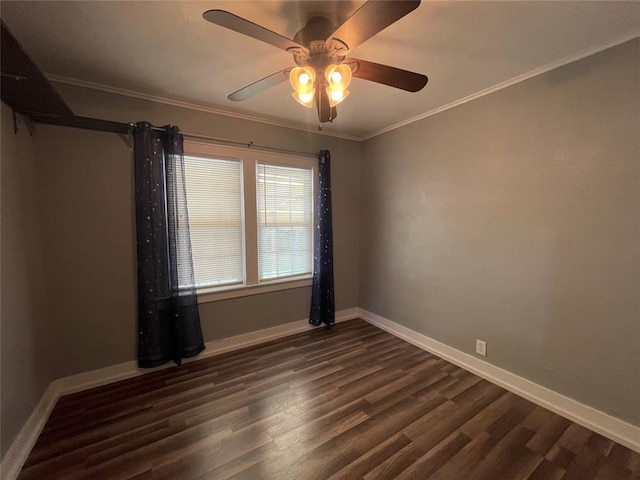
<point x="285" y="221"/>
<point x="216" y="222"/>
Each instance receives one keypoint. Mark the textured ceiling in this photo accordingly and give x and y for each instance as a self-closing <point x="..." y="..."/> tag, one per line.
<point x="166" y="49"/>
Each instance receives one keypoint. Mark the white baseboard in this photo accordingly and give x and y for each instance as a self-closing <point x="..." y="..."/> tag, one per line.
<point x="613" y="428"/>
<point x="21" y="447"/>
<point x="122" y="371"/>
<point x="26" y="439"/>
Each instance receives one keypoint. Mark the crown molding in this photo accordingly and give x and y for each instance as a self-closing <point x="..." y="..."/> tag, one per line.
<point x="305" y="128"/>
<point x="507" y="83"/>
<point x="193" y="106"/>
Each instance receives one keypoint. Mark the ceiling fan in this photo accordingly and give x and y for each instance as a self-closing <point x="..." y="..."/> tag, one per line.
<point x="319" y="50"/>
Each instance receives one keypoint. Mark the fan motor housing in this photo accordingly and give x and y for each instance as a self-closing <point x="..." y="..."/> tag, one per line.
<point x="317" y="28"/>
<point x="321" y="52"/>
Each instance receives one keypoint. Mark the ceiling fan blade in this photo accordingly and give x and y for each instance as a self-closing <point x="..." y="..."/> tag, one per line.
<point x="260" y="85"/>
<point x="240" y="25"/>
<point x="392" y="76"/>
<point x="371" y="18"/>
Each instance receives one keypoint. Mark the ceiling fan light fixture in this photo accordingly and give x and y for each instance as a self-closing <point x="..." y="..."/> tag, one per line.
<point x="338" y="76"/>
<point x="306" y="98"/>
<point x="319" y="43"/>
<point x="336" y="96"/>
<point x="302" y="79"/>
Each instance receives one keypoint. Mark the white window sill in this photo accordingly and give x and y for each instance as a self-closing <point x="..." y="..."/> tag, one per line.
<point x="236" y="291"/>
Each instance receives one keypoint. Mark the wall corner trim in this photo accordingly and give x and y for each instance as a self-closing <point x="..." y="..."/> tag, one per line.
<point x="613" y="428"/>
<point x="21" y="447"/>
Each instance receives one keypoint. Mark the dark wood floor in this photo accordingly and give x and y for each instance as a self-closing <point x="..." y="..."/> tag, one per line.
<point x="347" y="402"/>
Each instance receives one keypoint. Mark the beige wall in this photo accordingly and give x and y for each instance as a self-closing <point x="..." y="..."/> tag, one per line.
<point x="24" y="358"/>
<point x="88" y="222"/>
<point x="86" y="192"/>
<point x="515" y="218"/>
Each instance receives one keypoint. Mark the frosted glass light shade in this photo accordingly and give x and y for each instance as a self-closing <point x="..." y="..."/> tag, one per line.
<point x="336" y="96"/>
<point x="302" y="79"/>
<point x="305" y="99"/>
<point x="338" y="77"/>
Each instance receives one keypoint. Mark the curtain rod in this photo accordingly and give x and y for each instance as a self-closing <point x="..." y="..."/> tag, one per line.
<point x="126" y="129"/>
<point x="250" y="145"/>
<point x="237" y="143"/>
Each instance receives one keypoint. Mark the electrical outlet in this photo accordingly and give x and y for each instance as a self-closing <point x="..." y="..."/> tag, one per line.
<point x="481" y="348"/>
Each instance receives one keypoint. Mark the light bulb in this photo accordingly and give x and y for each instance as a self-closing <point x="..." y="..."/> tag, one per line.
<point x="304" y="78"/>
<point x="306" y="97"/>
<point x="338" y="79"/>
<point x="336" y="95"/>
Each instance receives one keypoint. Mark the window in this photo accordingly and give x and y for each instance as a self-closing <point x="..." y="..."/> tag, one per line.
<point x="251" y="219"/>
<point x="214" y="199"/>
<point x="285" y="221"/>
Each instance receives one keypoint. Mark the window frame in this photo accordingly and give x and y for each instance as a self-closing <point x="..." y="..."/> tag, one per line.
<point x="249" y="159"/>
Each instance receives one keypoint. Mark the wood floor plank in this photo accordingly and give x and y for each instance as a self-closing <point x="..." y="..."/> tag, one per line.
<point x="436" y="457"/>
<point x="547" y="471"/>
<point x="503" y="456"/>
<point x="487" y="416"/>
<point x="392" y="466"/>
<point x="613" y="471"/>
<point x="363" y="464"/>
<point x="462" y="463"/>
<point x="346" y="402"/>
<point x="544" y="440"/>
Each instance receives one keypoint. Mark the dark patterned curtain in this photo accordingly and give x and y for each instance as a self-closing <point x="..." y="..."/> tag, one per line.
<point x="168" y="319"/>
<point x="322" y="298"/>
